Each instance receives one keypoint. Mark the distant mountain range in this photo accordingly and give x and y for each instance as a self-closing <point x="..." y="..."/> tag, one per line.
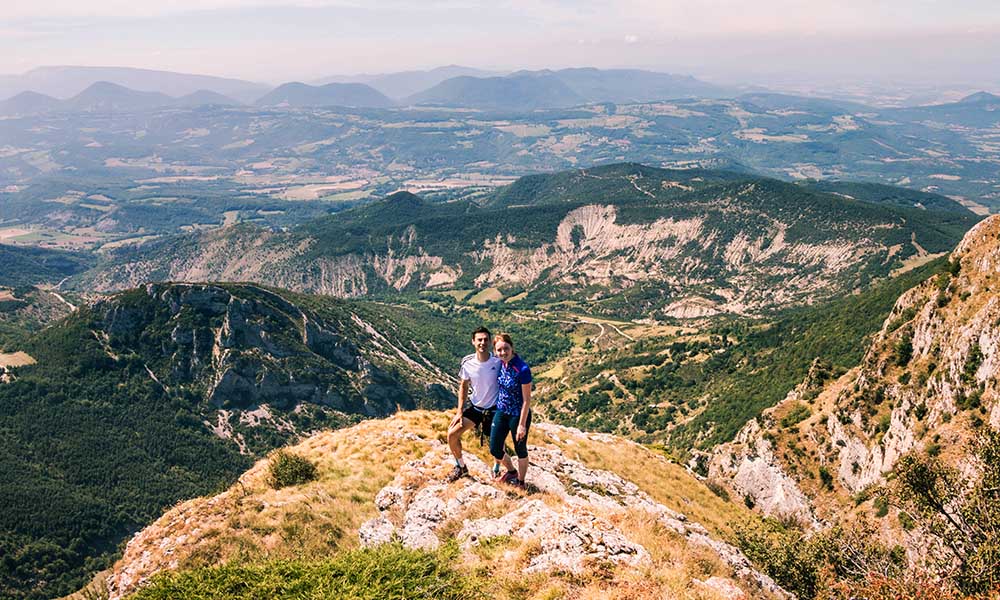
<point x="301" y="95"/>
<point x="110" y="88"/>
<point x="406" y="83"/>
<point x="526" y="90"/>
<point x="104" y="96"/>
<point x="981" y="109"/>
<point x="67" y="81"/>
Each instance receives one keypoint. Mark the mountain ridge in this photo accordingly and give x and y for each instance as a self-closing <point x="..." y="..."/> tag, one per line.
<point x="301" y="95"/>
<point x="67" y="81"/>
<point x="205" y="376"/>
<point x="621" y="224"/>
<point x="596" y="512"/>
<point x="926" y="385"/>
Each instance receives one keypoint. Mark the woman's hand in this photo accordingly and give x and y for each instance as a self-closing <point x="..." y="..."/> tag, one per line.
<point x="522" y="431"/>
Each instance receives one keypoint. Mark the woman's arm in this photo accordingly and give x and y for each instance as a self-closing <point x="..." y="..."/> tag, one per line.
<point x="522" y="426"/>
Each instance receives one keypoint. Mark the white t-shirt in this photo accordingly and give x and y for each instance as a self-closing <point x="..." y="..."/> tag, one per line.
<point x="483" y="376"/>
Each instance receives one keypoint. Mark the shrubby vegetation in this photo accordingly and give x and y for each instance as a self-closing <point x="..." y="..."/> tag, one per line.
<point x="287" y="468"/>
<point x="957" y="512"/>
<point x="387" y="572"/>
<point x="26" y="265"/>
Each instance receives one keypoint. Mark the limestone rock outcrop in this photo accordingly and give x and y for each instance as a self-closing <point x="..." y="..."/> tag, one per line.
<point x="569" y="508"/>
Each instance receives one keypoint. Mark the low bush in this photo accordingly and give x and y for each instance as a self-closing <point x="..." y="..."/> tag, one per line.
<point x="287" y="468"/>
<point x="387" y="572"/>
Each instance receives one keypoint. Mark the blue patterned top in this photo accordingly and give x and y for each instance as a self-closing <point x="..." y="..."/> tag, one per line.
<point x="512" y="376"/>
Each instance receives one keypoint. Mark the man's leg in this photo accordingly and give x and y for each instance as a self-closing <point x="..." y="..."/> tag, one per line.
<point x="455" y="443"/>
<point x="455" y="438"/>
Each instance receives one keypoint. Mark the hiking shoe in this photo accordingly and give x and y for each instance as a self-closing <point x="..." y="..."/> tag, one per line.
<point x="457" y="473"/>
<point x="509" y="477"/>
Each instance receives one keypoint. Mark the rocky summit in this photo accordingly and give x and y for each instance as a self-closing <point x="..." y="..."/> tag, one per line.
<point x="577" y="517"/>
<point x="571" y="516"/>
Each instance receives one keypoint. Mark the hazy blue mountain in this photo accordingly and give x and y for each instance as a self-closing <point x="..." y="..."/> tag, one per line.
<point x="776" y="101"/>
<point x="104" y="96"/>
<point x="519" y="91"/>
<point x="979" y="110"/>
<point x="407" y="83"/>
<point x="526" y="90"/>
<point x="980" y="98"/>
<point x="67" y="81"/>
<point x="634" y="85"/>
<point x="204" y="98"/>
<point x="28" y="103"/>
<point x="300" y="95"/>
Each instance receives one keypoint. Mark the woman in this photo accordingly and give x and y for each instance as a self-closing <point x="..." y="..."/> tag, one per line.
<point x="513" y="411"/>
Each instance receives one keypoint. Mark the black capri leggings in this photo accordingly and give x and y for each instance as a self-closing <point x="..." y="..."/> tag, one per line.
<point x="504" y="424"/>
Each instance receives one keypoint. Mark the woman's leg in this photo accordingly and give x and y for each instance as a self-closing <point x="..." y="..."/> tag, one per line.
<point x="498" y="433"/>
<point x="521" y="447"/>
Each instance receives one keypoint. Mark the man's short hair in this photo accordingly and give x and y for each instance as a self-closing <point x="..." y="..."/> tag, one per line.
<point x="479" y="330"/>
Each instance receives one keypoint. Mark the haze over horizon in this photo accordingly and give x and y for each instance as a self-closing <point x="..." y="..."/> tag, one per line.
<point x="763" y="42"/>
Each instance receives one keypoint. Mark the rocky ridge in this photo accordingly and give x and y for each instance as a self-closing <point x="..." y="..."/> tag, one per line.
<point x="574" y="519"/>
<point x="571" y="517"/>
<point x="260" y="361"/>
<point x="927" y="382"/>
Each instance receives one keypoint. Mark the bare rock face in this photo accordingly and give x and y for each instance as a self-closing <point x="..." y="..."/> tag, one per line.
<point x="937" y="355"/>
<point x="749" y="465"/>
<point x="570" y="509"/>
<point x="249" y="351"/>
<point x="930" y="375"/>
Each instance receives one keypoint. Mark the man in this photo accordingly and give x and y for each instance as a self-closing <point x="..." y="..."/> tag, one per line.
<point x="479" y="371"/>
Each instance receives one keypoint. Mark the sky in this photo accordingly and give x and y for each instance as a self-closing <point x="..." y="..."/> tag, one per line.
<point x="736" y="41"/>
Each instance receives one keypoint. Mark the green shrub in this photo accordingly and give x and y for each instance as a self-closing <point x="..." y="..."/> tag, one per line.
<point x="903" y="350"/>
<point x="800" y="412"/>
<point x="825" y="477"/>
<point x="972" y="363"/>
<point x="388" y="572"/>
<point x="287" y="468"/>
<point x="784" y="553"/>
<point x="960" y="511"/>
<point x="904" y="317"/>
<point x="881" y="506"/>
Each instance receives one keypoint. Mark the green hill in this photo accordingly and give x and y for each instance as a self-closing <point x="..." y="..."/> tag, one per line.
<point x="877" y="193"/>
<point x="27" y="265"/>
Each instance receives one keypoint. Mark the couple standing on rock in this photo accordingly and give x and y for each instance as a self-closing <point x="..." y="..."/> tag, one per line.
<point x="501" y="400"/>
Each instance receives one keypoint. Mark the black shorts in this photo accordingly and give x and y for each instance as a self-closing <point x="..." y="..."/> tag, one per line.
<point x="478" y="415"/>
